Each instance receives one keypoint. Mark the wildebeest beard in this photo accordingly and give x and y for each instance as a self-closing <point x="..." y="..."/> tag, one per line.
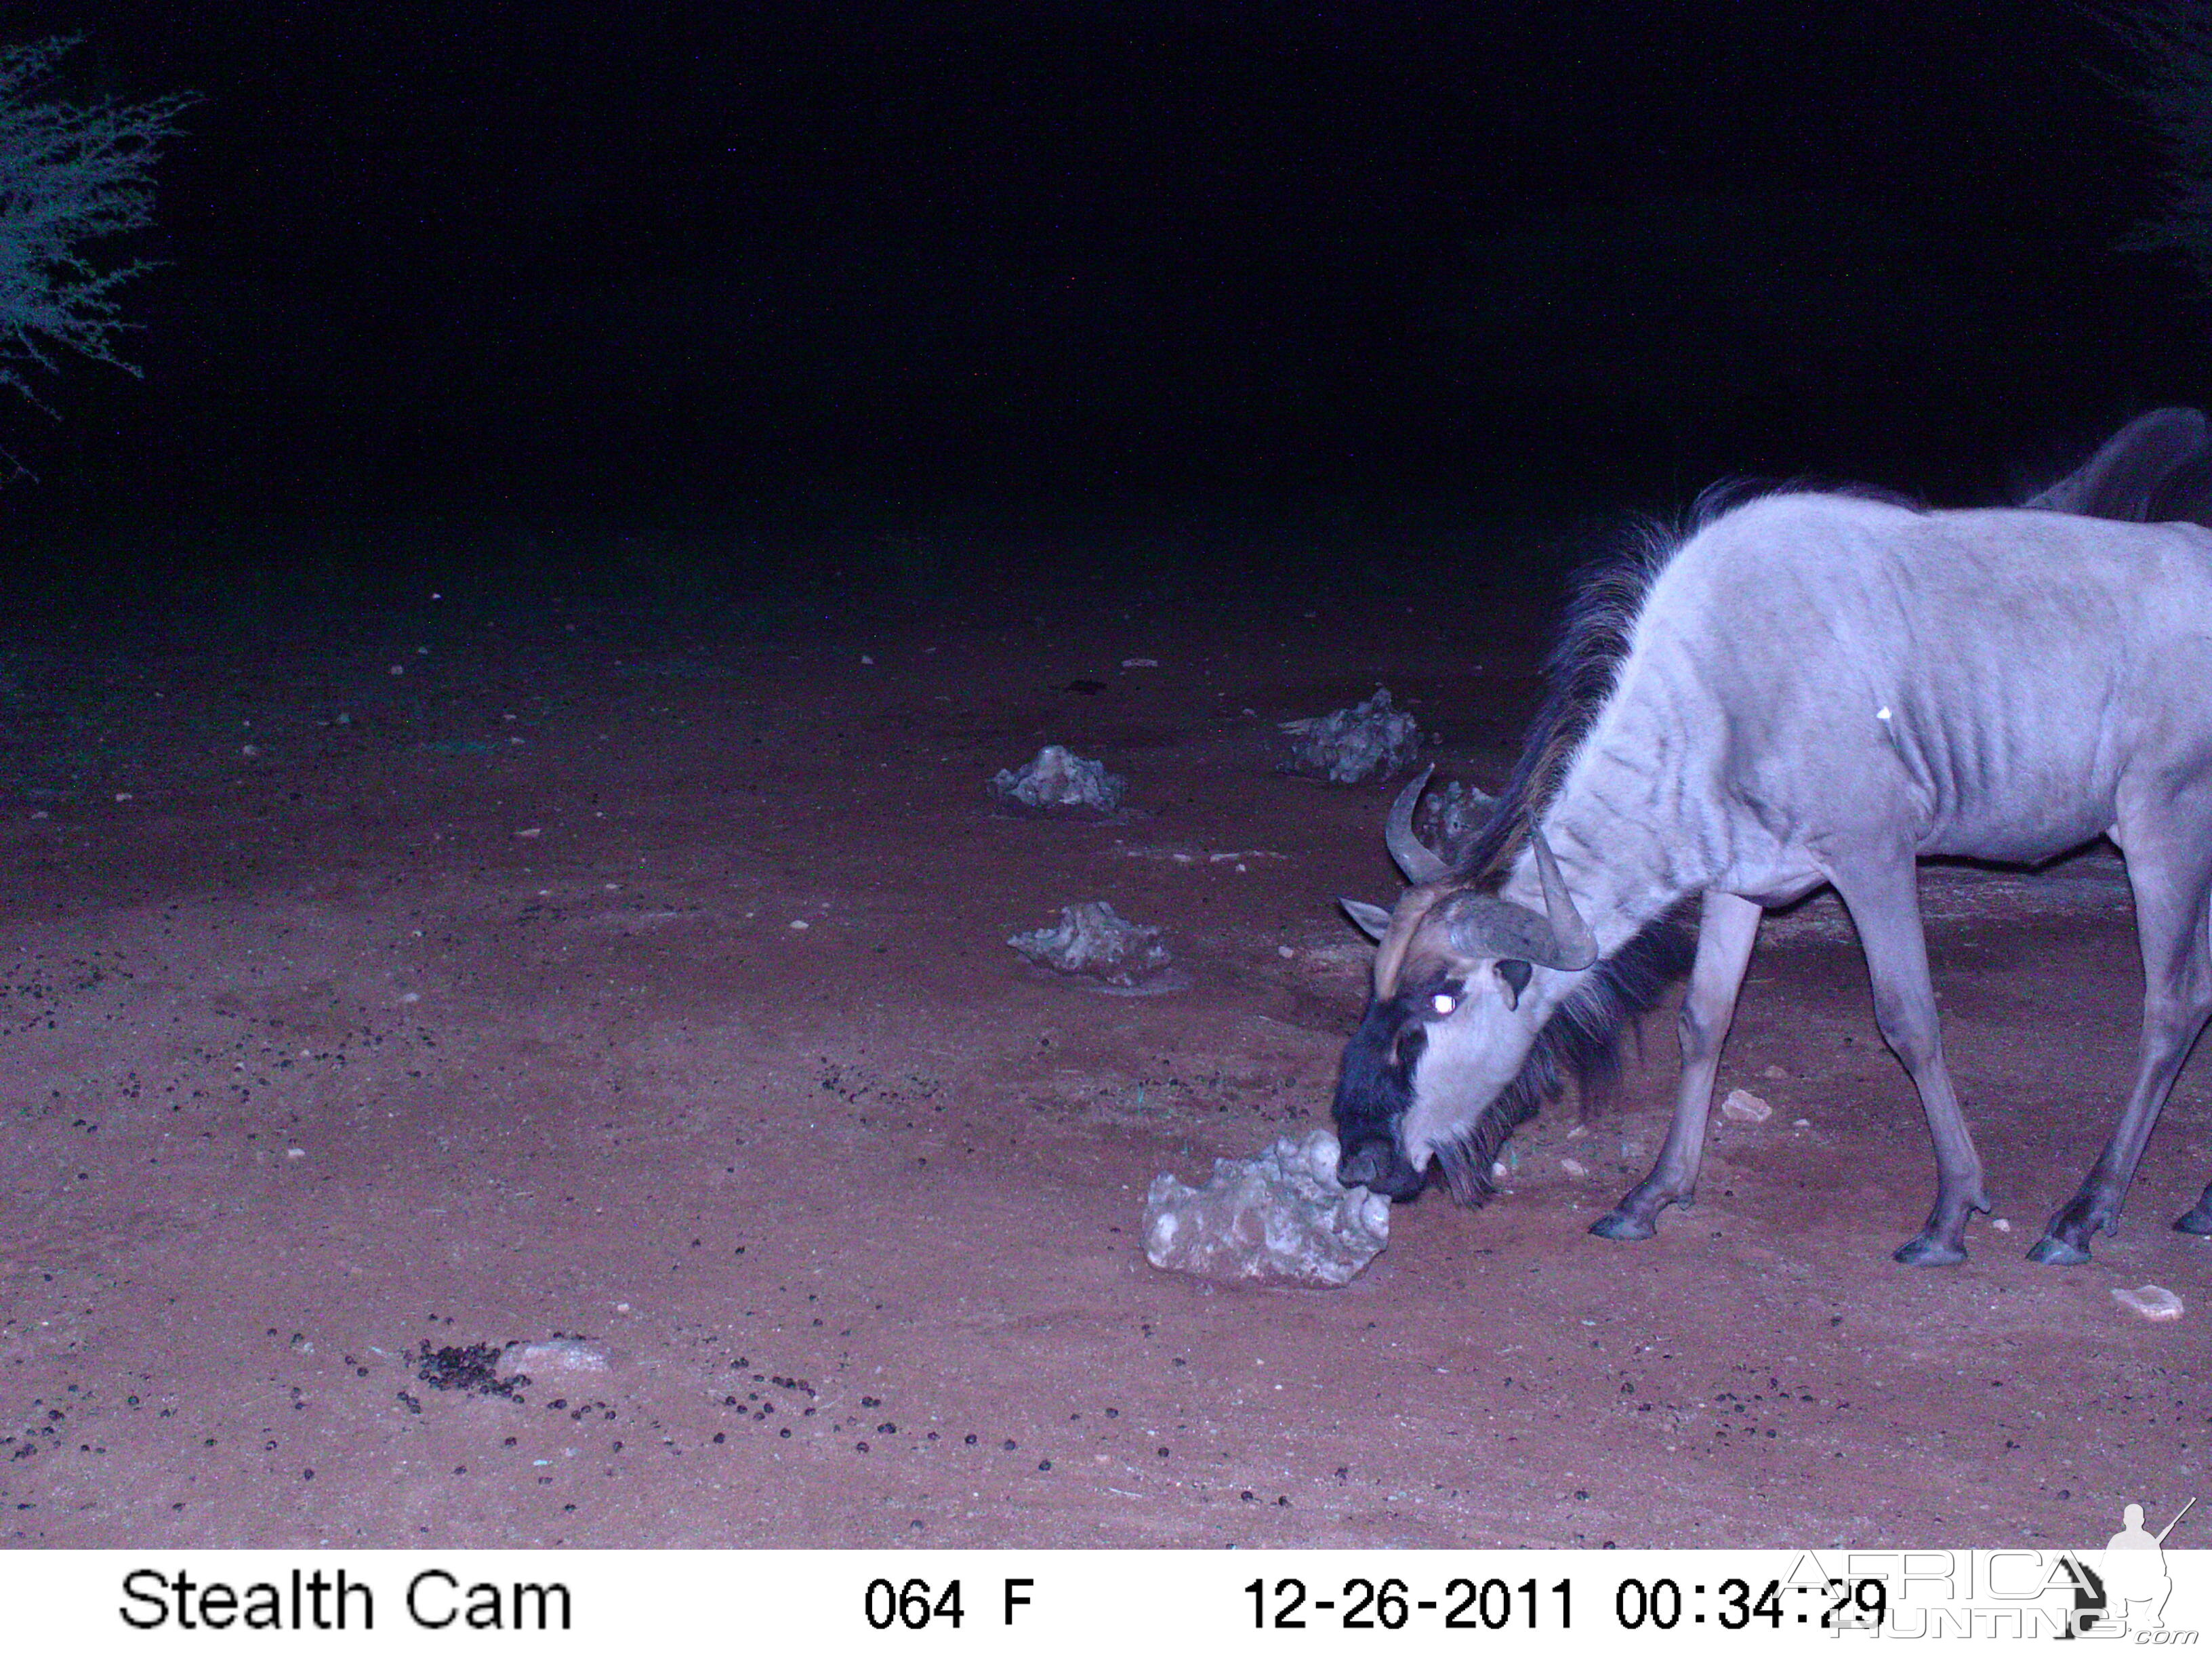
<point x="1581" y="1042"/>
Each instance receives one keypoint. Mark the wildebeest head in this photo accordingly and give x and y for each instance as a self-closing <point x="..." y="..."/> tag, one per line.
<point x="1464" y="982"/>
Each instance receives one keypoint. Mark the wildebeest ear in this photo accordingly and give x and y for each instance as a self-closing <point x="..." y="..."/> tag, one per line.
<point x="1371" y="920"/>
<point x="1516" y="974"/>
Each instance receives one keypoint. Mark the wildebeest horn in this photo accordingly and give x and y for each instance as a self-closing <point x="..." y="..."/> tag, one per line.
<point x="1484" y="925"/>
<point x="1577" y="945"/>
<point x="1421" y="865"/>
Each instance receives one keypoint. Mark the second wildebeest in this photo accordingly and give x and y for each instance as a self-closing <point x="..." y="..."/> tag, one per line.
<point x="1802" y="689"/>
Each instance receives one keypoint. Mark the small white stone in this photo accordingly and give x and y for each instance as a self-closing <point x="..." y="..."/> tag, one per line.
<point x="800" y="926"/>
<point x="1282" y="951"/>
<point x="562" y="1354"/>
<point x="2001" y="1225"/>
<point x="1572" y="1168"/>
<point x="1139" y="662"/>
<point x="866" y="662"/>
<point x="296" y="1151"/>
<point x="249" y="749"/>
<point x="528" y="834"/>
<point x="2153" y="1301"/>
<point x="1745" y="1107"/>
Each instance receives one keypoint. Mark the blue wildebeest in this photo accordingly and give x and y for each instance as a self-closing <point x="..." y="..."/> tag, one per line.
<point x="1808" y="689"/>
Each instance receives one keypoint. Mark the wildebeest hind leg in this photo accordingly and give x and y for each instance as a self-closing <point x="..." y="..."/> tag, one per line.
<point x="2170" y="874"/>
<point x="1881" y="895"/>
<point x="1725" y="932"/>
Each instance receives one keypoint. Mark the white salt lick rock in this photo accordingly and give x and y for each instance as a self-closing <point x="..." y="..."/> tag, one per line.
<point x="1278" y="1218"/>
<point x="1058" y="780"/>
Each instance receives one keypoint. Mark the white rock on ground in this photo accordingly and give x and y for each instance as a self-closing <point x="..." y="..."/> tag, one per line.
<point x="1278" y="1218"/>
<point x="1457" y="814"/>
<point x="1096" y="940"/>
<point x="1060" y="778"/>
<point x="1746" y="1107"/>
<point x="559" y="1354"/>
<point x="2153" y="1301"/>
<point x="1353" y="743"/>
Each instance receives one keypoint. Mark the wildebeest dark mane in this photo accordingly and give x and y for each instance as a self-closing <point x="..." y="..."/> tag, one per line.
<point x="1581" y="1040"/>
<point x="1604" y="597"/>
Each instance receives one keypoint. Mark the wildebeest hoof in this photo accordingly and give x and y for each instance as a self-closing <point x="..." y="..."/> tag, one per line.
<point x="1926" y="1252"/>
<point x="1619" y="1224"/>
<point x="2058" y="1253"/>
<point x="2197" y="1221"/>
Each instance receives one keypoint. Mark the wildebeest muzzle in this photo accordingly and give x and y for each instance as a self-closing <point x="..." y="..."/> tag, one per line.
<point x="1373" y="1091"/>
<point x="1379" y="1166"/>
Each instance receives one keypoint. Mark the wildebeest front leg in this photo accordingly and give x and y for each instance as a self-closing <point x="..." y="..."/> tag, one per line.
<point x="2199" y="1219"/>
<point x="1725" y="931"/>
<point x="1884" y="908"/>
<point x="2170" y="877"/>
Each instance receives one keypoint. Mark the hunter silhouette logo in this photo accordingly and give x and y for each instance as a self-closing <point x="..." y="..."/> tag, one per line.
<point x="2135" y="1582"/>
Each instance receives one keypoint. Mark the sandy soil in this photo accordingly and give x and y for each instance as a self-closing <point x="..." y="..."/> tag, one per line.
<point x="643" y="981"/>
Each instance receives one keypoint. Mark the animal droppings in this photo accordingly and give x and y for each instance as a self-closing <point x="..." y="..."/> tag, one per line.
<point x="1060" y="780"/>
<point x="2153" y="1301"/>
<point x="474" y="1369"/>
<point x="1280" y="1218"/>
<point x="1097" y="942"/>
<point x="1354" y="743"/>
<point x="1746" y="1107"/>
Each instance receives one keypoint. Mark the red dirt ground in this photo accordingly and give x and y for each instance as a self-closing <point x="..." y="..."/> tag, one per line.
<point x="487" y="1014"/>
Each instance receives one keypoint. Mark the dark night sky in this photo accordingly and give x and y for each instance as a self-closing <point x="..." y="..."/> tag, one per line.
<point x="581" y="258"/>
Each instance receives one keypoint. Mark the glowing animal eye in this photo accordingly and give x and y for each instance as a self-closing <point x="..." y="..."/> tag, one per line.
<point x="1443" y="1004"/>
